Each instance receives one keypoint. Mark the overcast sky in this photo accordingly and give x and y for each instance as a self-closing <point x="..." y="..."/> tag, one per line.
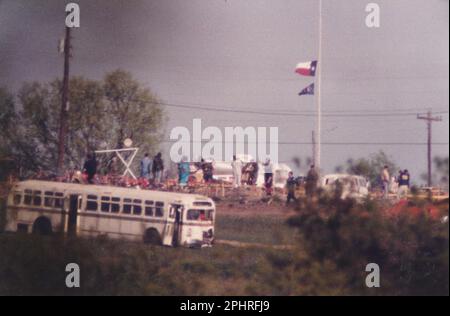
<point x="238" y="54"/>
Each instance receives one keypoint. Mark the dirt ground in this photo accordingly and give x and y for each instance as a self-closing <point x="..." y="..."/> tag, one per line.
<point x="255" y="208"/>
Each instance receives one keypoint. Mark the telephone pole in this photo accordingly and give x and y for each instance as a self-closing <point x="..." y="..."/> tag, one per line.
<point x="314" y="147"/>
<point x="318" y="133"/>
<point x="64" y="104"/>
<point x="429" y="119"/>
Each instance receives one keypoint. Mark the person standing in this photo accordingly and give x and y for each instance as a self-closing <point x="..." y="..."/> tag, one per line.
<point x="208" y="171"/>
<point x="268" y="176"/>
<point x="403" y="184"/>
<point x="146" y="167"/>
<point x="291" y="185"/>
<point x="90" y="168"/>
<point x="385" y="179"/>
<point x="237" y="171"/>
<point x="254" y="168"/>
<point x="311" y="182"/>
<point x="158" y="168"/>
<point x="183" y="172"/>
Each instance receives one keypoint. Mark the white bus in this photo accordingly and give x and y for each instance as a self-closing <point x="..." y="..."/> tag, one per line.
<point x="155" y="217"/>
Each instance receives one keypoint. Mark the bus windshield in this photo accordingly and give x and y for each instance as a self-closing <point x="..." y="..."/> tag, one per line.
<point x="200" y="215"/>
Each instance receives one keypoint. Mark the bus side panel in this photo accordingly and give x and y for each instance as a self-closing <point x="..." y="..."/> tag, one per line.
<point x="87" y="224"/>
<point x="11" y="219"/>
<point x="27" y="216"/>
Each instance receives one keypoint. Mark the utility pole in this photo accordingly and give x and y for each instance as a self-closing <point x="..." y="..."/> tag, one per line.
<point x="318" y="135"/>
<point x="314" y="147"/>
<point x="429" y="119"/>
<point x="64" y="104"/>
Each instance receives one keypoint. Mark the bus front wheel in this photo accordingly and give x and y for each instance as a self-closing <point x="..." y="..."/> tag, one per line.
<point x="152" y="237"/>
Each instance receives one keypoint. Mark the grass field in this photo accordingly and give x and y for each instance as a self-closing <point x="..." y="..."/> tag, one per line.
<point x="265" y="229"/>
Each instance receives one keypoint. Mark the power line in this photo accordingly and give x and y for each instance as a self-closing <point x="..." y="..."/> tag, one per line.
<point x="304" y="114"/>
<point x="324" y="143"/>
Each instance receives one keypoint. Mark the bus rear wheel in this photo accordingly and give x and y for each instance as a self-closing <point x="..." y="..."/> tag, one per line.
<point x="42" y="226"/>
<point x="152" y="237"/>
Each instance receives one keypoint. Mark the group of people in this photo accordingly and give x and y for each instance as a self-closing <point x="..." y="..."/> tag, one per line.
<point x="242" y="173"/>
<point x="402" y="182"/>
<point x="185" y="172"/>
<point x="311" y="182"/>
<point x="152" y="169"/>
<point x="248" y="173"/>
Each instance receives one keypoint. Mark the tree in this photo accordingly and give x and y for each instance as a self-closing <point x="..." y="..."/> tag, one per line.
<point x="369" y="167"/>
<point x="7" y="113"/>
<point x="442" y="170"/>
<point x="101" y="115"/>
<point x="135" y="110"/>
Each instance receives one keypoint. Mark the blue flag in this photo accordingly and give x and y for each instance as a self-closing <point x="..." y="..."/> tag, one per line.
<point x="309" y="90"/>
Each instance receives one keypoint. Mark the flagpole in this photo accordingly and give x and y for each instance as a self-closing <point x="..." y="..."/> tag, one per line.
<point x="319" y="91"/>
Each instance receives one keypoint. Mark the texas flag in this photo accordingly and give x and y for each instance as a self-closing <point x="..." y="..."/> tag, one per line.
<point x="309" y="90"/>
<point x="307" y="69"/>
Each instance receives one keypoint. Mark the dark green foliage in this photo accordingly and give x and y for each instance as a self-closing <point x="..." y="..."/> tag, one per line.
<point x="102" y="114"/>
<point x="369" y="167"/>
<point x="442" y="169"/>
<point x="412" y="251"/>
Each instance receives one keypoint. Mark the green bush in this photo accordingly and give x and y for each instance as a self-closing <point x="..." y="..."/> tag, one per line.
<point x="412" y="251"/>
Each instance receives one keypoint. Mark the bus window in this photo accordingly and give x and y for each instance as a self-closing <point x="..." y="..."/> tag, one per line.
<point x="28" y="197"/>
<point x="59" y="199"/>
<point x="37" y="199"/>
<point x="17" y="198"/>
<point x="91" y="203"/>
<point x="115" y="205"/>
<point x="193" y="215"/>
<point x="200" y="215"/>
<point x="104" y="207"/>
<point x="159" y="211"/>
<point x="126" y="206"/>
<point x="48" y="199"/>
<point x="149" y="208"/>
<point x="202" y="204"/>
<point x="137" y="207"/>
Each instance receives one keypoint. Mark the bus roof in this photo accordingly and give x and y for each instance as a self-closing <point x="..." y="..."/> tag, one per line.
<point x="106" y="190"/>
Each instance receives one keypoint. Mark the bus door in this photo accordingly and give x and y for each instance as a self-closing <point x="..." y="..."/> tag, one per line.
<point x="72" y="219"/>
<point x="172" y="231"/>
